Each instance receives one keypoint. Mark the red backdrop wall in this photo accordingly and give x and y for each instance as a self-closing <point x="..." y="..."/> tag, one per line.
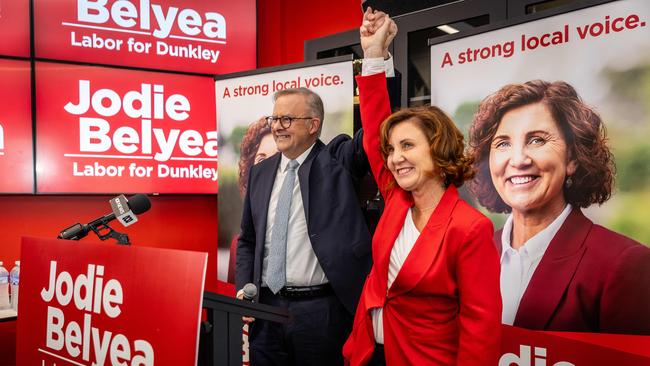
<point x="284" y="26"/>
<point x="181" y="222"/>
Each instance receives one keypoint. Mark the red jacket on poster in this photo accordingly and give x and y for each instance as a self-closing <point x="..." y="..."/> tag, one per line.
<point x="590" y="279"/>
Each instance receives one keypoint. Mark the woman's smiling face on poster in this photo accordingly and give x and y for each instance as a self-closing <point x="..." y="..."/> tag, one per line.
<point x="529" y="160"/>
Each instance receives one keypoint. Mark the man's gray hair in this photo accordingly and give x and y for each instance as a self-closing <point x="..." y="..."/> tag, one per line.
<point x="314" y="102"/>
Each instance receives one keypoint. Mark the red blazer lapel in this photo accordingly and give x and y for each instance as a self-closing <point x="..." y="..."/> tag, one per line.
<point x="427" y="247"/>
<point x="554" y="273"/>
<point x="387" y="231"/>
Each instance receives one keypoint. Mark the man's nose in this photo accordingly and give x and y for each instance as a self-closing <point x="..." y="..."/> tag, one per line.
<point x="276" y="125"/>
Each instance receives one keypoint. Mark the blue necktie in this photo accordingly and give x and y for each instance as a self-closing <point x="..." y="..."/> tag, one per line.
<point x="276" y="275"/>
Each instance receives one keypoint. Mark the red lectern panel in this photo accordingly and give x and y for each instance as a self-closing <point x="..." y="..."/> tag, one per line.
<point x="101" y="303"/>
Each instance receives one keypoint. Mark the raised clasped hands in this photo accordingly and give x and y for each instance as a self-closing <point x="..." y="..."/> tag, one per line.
<point x="376" y="32"/>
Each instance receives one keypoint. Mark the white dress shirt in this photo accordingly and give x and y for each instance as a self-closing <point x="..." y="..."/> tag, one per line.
<point x="401" y="249"/>
<point x="303" y="268"/>
<point x="518" y="266"/>
<point x="376" y="65"/>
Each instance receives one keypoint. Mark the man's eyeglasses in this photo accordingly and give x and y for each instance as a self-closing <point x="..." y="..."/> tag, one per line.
<point x="285" y="121"/>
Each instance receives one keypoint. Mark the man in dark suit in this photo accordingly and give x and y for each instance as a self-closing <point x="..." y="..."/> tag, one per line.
<point x="304" y="241"/>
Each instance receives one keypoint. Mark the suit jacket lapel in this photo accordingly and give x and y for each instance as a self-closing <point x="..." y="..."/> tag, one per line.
<point x="303" y="176"/>
<point x="554" y="273"/>
<point x="265" y="186"/>
<point x="259" y="192"/>
<point x="426" y="247"/>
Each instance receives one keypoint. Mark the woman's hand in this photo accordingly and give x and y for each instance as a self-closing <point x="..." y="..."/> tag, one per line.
<point x="376" y="32"/>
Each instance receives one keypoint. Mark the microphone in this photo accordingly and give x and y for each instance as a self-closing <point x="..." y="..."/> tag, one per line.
<point x="250" y="291"/>
<point x="123" y="209"/>
<point x="123" y="213"/>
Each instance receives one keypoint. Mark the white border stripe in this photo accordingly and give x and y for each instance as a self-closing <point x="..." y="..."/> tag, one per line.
<point x="139" y="32"/>
<point x="195" y="159"/>
<point x="132" y="157"/>
<point x="107" y="156"/>
<point x="197" y="39"/>
<point x="104" y="28"/>
<point x="60" y="357"/>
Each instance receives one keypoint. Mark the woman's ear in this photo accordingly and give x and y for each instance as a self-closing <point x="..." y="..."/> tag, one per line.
<point x="571" y="167"/>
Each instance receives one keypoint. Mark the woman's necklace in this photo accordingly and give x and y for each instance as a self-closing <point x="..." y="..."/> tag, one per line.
<point x="425" y="209"/>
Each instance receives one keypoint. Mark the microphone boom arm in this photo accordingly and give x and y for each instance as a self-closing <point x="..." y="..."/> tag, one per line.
<point x="123" y="209"/>
<point x="102" y="225"/>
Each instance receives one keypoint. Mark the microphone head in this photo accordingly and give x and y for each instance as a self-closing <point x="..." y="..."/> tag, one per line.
<point x="250" y="291"/>
<point x="139" y="203"/>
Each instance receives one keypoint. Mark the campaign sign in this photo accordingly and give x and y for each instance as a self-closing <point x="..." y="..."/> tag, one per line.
<point x="16" y="157"/>
<point x="523" y="347"/>
<point x="14" y="27"/>
<point x="192" y="35"/>
<point x="105" y="304"/>
<point x="102" y="130"/>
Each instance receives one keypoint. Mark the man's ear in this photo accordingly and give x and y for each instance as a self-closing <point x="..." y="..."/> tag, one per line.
<point x="315" y="126"/>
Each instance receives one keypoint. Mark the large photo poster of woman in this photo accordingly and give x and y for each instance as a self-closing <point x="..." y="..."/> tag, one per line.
<point x="556" y="112"/>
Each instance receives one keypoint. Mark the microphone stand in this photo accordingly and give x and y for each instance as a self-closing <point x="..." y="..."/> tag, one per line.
<point x="102" y="225"/>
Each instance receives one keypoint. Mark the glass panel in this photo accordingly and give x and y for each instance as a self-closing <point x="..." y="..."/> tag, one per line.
<point x="419" y="57"/>
<point x="545" y="5"/>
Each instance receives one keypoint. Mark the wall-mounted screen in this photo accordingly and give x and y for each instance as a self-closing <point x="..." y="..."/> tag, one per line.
<point x="104" y="130"/>
<point x="14" y="27"/>
<point x="16" y="157"/>
<point x="209" y="37"/>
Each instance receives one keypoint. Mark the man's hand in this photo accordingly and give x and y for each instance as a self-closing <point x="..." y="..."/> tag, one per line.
<point x="245" y="319"/>
<point x="376" y="32"/>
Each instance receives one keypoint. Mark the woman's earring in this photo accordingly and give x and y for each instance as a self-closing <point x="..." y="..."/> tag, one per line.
<point x="569" y="182"/>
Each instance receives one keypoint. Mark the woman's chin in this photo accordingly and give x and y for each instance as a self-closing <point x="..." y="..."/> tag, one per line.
<point x="407" y="186"/>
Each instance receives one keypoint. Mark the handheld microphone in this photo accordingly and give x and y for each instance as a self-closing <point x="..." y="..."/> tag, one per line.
<point x="123" y="209"/>
<point x="250" y="291"/>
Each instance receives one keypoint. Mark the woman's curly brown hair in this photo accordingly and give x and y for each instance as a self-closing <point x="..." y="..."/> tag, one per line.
<point x="248" y="148"/>
<point x="445" y="141"/>
<point x="581" y="126"/>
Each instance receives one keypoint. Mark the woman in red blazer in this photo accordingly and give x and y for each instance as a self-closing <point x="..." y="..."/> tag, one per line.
<point x="541" y="154"/>
<point x="432" y="296"/>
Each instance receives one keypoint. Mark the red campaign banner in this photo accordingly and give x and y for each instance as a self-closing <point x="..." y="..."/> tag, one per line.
<point x="14" y="27"/>
<point x="105" y="304"/>
<point x="102" y="130"/>
<point x="16" y="157"/>
<point x="522" y="347"/>
<point x="211" y="37"/>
